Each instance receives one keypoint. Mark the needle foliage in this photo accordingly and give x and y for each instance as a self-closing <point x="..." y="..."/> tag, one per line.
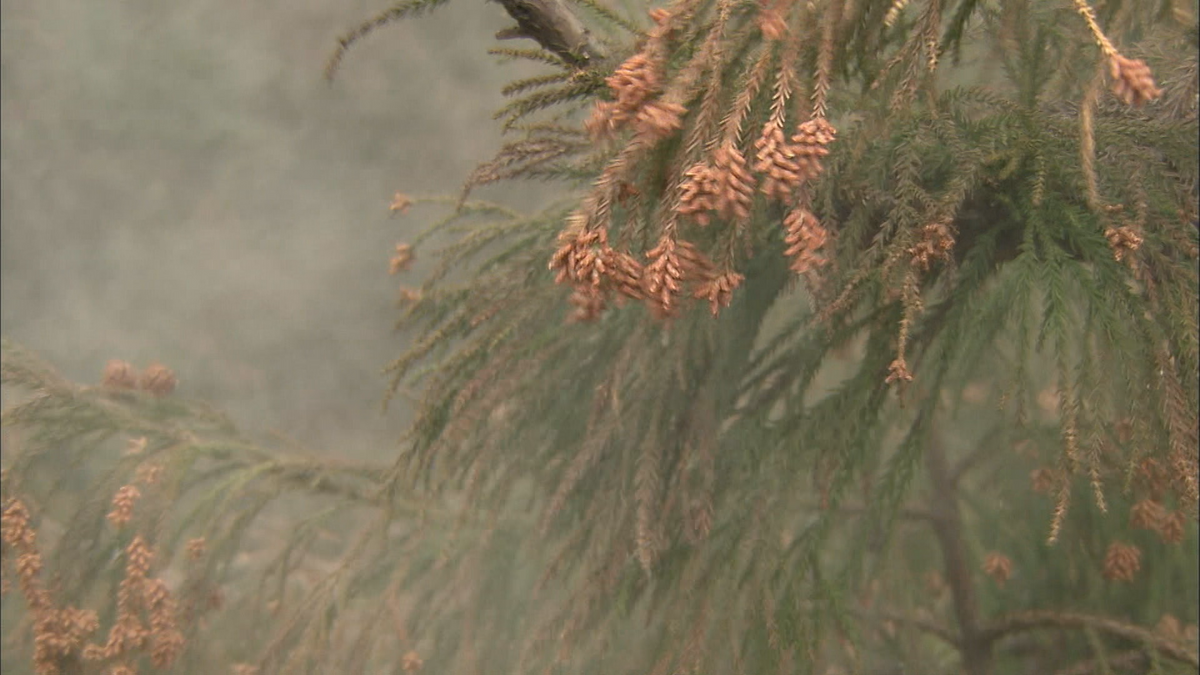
<point x="863" y="338"/>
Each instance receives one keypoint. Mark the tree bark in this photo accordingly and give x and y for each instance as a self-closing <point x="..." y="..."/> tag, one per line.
<point x="554" y="26"/>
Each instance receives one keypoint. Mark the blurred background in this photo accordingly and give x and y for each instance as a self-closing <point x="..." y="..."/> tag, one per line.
<point x="181" y="184"/>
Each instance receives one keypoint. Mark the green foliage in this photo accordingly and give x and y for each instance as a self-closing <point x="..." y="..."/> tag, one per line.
<point x="818" y="480"/>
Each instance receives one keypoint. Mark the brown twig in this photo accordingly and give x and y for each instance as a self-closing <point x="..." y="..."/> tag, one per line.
<point x="1036" y="619"/>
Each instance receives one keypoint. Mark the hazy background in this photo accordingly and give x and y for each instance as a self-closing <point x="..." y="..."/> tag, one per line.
<point x="179" y="183"/>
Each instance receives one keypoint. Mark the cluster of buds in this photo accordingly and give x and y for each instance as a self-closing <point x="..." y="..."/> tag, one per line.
<point x="1149" y="514"/>
<point x="1123" y="240"/>
<point x="698" y="193"/>
<point x="805" y="238"/>
<point x="810" y="140"/>
<point x="586" y="262"/>
<point x="1133" y="82"/>
<point x="772" y="19"/>
<point x="718" y="291"/>
<point x="898" y="371"/>
<point x="138" y="594"/>
<point x="156" y="378"/>
<point x="633" y="85"/>
<point x="402" y="259"/>
<point x="594" y="270"/>
<point x="659" y="119"/>
<point x="735" y="185"/>
<point x="122" y="505"/>
<point x="998" y="566"/>
<point x="672" y="264"/>
<point x="936" y="243"/>
<point x="59" y="632"/>
<point x="726" y="186"/>
<point x="778" y="162"/>
<point x="1122" y="562"/>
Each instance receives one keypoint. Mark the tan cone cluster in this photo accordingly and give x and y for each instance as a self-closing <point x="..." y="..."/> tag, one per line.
<point x="810" y="140"/>
<point x="156" y="378"/>
<point x="1150" y="514"/>
<point x="726" y="185"/>
<point x="722" y="184"/>
<point x="735" y="185"/>
<point x="1133" y="82"/>
<point x="998" y="566"/>
<point x="596" y="271"/>
<point x="658" y="119"/>
<point x="698" y="193"/>
<point x="772" y="19"/>
<point x="1123" y="240"/>
<point x="777" y="162"/>
<point x="805" y="239"/>
<point x="1122" y="562"/>
<point x="936" y="243"/>
<point x="664" y="274"/>
<point x="122" y="505"/>
<point x="634" y="85"/>
<point x="59" y="633"/>
<point x="719" y="290"/>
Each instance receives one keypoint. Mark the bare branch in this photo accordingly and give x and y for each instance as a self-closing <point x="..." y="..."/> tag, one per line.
<point x="1036" y="619"/>
<point x="554" y="26"/>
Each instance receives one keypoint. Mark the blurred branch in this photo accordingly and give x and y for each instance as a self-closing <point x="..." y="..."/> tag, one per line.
<point x="179" y="426"/>
<point x="1126" y="662"/>
<point x="1038" y="619"/>
<point x="947" y="526"/>
<point x="969" y="462"/>
<point x="906" y="513"/>
<point x="924" y="625"/>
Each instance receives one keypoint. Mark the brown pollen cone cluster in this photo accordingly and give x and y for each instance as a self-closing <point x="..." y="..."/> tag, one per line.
<point x="1133" y="82"/>
<point x="158" y="633"/>
<point x="998" y="566"/>
<point x="720" y="184"/>
<point x="146" y="616"/>
<point x="1123" y="240"/>
<point x="771" y="19"/>
<point x="633" y="85"/>
<point x="1149" y="514"/>
<point x="810" y="140"/>
<point x="1122" y="562"/>
<point x="673" y="269"/>
<point x="59" y="632"/>
<point x="805" y="238"/>
<point x="936" y="243"/>
<point x="122" y="505"/>
<point x="156" y="378"/>
<point x="119" y="374"/>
